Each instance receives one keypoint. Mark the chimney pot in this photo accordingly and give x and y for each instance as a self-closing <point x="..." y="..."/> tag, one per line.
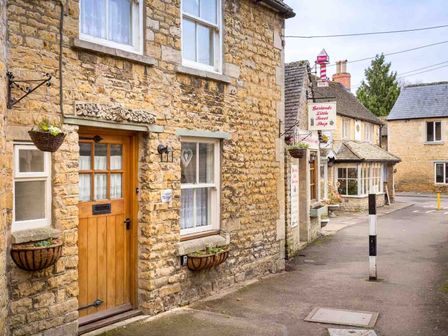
<point x="341" y="75"/>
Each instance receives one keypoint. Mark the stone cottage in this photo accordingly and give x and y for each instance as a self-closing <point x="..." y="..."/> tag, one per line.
<point x="303" y="180"/>
<point x="418" y="133"/>
<point x="171" y="112"/>
<point x="359" y="165"/>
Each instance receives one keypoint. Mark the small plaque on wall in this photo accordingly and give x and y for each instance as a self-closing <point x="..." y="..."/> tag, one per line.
<point x="166" y="196"/>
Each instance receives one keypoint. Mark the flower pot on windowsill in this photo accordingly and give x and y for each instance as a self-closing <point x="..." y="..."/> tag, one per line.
<point x="45" y="141"/>
<point x="206" y="259"/>
<point x="36" y="256"/>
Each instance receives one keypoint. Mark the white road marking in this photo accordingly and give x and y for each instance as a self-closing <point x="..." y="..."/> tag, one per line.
<point x="416" y="211"/>
<point x="429" y="211"/>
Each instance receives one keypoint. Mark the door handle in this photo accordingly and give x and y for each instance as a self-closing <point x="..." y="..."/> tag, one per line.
<point x="128" y="222"/>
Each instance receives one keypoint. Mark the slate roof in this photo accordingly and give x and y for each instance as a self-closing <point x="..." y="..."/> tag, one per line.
<point x="295" y="81"/>
<point x="421" y="101"/>
<point x="281" y="6"/>
<point x="357" y="151"/>
<point x="347" y="104"/>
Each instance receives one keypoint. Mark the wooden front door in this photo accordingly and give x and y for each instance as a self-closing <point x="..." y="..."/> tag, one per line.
<point x="105" y="225"/>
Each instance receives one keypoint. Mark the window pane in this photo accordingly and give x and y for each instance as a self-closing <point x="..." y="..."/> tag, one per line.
<point x="208" y="10"/>
<point x="115" y="186"/>
<point x="120" y="21"/>
<point x="352" y="172"/>
<point x="446" y="173"/>
<point x="342" y="188"/>
<point x="116" y="154"/>
<point x="439" y="172"/>
<point x="202" y="207"/>
<point x="352" y="188"/>
<point x="206" y="163"/>
<point x="100" y="157"/>
<point x="205" y="45"/>
<point x="191" y="6"/>
<point x="31" y="161"/>
<point x="188" y="40"/>
<point x="84" y="187"/>
<point x="429" y="131"/>
<point x="187" y="209"/>
<point x="100" y="186"/>
<point x="342" y="172"/>
<point x="93" y="18"/>
<point x="438" y="131"/>
<point x="85" y="158"/>
<point x="188" y="162"/>
<point x="29" y="200"/>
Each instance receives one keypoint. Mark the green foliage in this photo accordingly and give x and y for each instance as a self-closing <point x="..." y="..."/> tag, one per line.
<point x="380" y="90"/>
<point x="299" y="145"/>
<point x="210" y="250"/>
<point x="45" y="126"/>
<point x="44" y="243"/>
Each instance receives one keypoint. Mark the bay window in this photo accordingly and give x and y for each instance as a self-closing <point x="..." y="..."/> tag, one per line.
<point x="32" y="188"/>
<point x="113" y="23"/>
<point x="200" y="182"/>
<point x="360" y="179"/>
<point x="201" y="34"/>
<point x="441" y="172"/>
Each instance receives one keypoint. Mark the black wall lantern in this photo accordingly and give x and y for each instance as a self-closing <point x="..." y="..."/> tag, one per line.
<point x="165" y="152"/>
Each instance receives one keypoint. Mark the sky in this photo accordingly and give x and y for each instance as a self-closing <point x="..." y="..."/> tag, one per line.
<point x="324" y="17"/>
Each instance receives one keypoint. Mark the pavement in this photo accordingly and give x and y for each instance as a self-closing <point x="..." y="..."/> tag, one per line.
<point x="411" y="295"/>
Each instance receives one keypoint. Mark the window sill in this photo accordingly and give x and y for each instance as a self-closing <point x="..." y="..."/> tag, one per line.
<point x="126" y="55"/>
<point x="194" y="245"/>
<point x="203" y="74"/>
<point x="33" y="235"/>
<point x="434" y="143"/>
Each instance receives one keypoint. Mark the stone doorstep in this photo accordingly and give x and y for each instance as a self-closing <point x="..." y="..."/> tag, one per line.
<point x="33" y="235"/>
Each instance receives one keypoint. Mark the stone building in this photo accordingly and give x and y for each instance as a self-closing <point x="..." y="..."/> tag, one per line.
<point x="171" y="112"/>
<point x="418" y="133"/>
<point x="303" y="178"/>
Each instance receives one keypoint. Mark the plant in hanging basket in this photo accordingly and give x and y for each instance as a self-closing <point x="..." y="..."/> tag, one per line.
<point x="298" y="150"/>
<point x="36" y="256"/>
<point x="47" y="137"/>
<point x="208" y="258"/>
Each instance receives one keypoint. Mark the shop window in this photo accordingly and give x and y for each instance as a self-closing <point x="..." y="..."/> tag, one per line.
<point x="113" y="23"/>
<point x="32" y="188"/>
<point x="200" y="176"/>
<point x="201" y="34"/>
<point x="324" y="180"/>
<point x="441" y="173"/>
<point x="348" y="181"/>
<point x="433" y="131"/>
<point x="313" y="176"/>
<point x="360" y="180"/>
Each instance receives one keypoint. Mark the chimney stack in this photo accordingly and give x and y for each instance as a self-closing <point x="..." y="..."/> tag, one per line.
<point x="341" y="75"/>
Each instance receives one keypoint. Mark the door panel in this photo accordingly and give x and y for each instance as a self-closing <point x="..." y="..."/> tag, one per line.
<point x="104" y="238"/>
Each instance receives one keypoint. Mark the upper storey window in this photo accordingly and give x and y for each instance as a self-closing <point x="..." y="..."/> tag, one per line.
<point x="113" y="23"/>
<point x="201" y="34"/>
<point x="433" y="131"/>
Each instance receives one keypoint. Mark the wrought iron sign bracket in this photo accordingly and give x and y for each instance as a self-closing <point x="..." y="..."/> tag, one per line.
<point x="25" y="86"/>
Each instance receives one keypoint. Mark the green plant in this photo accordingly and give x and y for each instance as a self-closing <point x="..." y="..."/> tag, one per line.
<point x="44" y="243"/>
<point x="47" y="127"/>
<point x="298" y="145"/>
<point x="210" y="250"/>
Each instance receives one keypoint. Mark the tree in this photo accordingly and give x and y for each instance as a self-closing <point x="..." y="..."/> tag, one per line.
<point x="380" y="90"/>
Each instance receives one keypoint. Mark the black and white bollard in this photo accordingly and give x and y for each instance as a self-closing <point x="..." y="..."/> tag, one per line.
<point x="372" y="237"/>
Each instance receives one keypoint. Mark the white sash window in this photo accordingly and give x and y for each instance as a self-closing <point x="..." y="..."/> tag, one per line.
<point x="200" y="181"/>
<point x="202" y="34"/>
<point x="32" y="188"/>
<point x="113" y="23"/>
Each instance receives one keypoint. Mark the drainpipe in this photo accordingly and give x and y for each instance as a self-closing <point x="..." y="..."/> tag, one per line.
<point x="380" y="137"/>
<point x="61" y="41"/>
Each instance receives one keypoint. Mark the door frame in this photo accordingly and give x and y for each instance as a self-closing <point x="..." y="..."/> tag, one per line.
<point x="134" y="208"/>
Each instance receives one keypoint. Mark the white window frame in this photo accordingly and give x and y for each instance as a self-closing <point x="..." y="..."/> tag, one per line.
<point x="215" y="202"/>
<point x="324" y="180"/>
<point x="434" y="140"/>
<point x="444" y="163"/>
<point x="217" y="41"/>
<point x="375" y="171"/>
<point x="346" y="126"/>
<point x="368" y="132"/>
<point x="136" y="27"/>
<point x="31" y="177"/>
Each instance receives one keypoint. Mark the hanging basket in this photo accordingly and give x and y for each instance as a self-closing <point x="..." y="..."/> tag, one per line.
<point x="35" y="258"/>
<point x="297" y="153"/>
<point x="47" y="142"/>
<point x="197" y="262"/>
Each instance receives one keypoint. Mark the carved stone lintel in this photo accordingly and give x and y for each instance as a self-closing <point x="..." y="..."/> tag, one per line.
<point x="114" y="112"/>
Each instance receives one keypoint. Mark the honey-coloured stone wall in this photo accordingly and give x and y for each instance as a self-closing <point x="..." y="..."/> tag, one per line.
<point x="252" y="178"/>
